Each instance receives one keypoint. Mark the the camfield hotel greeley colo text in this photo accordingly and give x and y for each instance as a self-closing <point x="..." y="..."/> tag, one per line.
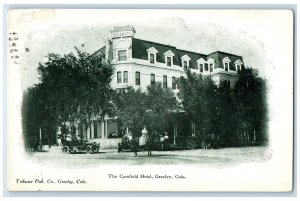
<point x="139" y="63"/>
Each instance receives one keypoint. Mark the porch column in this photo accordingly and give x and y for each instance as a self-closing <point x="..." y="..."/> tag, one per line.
<point x="76" y="130"/>
<point x="248" y="137"/>
<point x="84" y="134"/>
<point x="105" y="128"/>
<point x="102" y="129"/>
<point x="88" y="132"/>
<point x="92" y="130"/>
<point x="175" y="134"/>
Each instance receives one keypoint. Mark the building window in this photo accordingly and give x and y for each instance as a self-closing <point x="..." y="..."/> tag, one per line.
<point x="206" y="67"/>
<point x="119" y="77"/>
<point x="185" y="64"/>
<point x="226" y="66"/>
<point x="137" y="78"/>
<point x="169" y="61"/>
<point x="211" y="67"/>
<point x="173" y="83"/>
<point x="151" y="58"/>
<point x="227" y="83"/>
<point x="125" y="76"/>
<point x="122" y="55"/>
<point x="201" y="68"/>
<point x="165" y="81"/>
<point x="152" y="78"/>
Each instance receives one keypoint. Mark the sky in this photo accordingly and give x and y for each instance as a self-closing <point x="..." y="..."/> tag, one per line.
<point x="203" y="31"/>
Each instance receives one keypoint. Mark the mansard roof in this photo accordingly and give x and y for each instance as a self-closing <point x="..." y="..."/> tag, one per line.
<point x="218" y="56"/>
<point x="140" y="47"/>
<point x="139" y="51"/>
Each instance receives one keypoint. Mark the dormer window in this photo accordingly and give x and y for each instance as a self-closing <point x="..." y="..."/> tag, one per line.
<point x="185" y="64"/>
<point x="211" y="64"/>
<point x="169" y="61"/>
<point x="226" y="66"/>
<point x="185" y="61"/>
<point x="169" y="57"/>
<point x="206" y="67"/>
<point x="238" y="65"/>
<point x="201" y="66"/>
<point x="151" y="58"/>
<point x="226" y="62"/>
<point x="152" y="55"/>
<point x="211" y="67"/>
<point x="201" y="62"/>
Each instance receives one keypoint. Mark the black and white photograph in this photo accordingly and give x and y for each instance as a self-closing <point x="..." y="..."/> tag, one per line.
<point x="150" y="100"/>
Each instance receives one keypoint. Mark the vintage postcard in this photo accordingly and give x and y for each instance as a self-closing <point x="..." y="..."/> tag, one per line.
<point x="150" y="100"/>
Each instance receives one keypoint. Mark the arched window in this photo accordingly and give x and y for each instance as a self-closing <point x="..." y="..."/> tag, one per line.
<point x="122" y="48"/>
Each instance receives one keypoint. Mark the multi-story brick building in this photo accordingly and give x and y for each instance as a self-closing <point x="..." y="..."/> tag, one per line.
<point x="138" y="63"/>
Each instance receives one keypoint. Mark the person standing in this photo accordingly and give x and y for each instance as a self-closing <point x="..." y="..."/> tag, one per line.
<point x="142" y="140"/>
<point x="166" y="141"/>
<point x="134" y="145"/>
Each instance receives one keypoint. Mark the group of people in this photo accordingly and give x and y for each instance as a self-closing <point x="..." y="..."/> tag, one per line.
<point x="68" y="138"/>
<point x="147" y="141"/>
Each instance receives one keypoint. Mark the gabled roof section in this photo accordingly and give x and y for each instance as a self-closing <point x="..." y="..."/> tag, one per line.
<point x="226" y="59"/>
<point x="201" y="60"/>
<point x="169" y="53"/>
<point x="185" y="57"/>
<point x="238" y="62"/>
<point x="152" y="50"/>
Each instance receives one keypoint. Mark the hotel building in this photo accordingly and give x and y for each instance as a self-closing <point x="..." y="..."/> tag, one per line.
<point x="138" y="63"/>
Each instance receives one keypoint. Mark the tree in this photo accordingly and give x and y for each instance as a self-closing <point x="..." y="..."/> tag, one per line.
<point x="59" y="80"/>
<point x="199" y="99"/>
<point x="224" y="112"/>
<point x="35" y="116"/>
<point x="152" y="108"/>
<point x="131" y="108"/>
<point x="95" y="95"/>
<point x="72" y="88"/>
<point x="226" y="124"/>
<point x="161" y="105"/>
<point x="250" y="98"/>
